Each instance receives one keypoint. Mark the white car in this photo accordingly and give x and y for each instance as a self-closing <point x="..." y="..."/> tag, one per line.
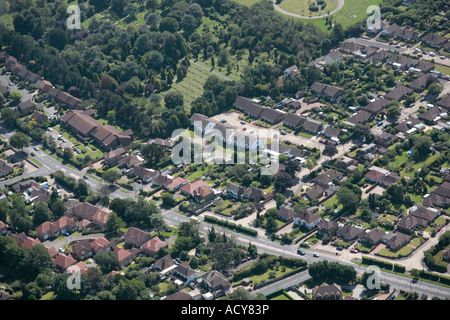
<point x="442" y="57"/>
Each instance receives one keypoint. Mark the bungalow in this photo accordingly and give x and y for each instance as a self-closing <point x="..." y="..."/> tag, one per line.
<point x="407" y="125"/>
<point x="444" y="102"/>
<point x="422" y="82"/>
<point x="272" y="116"/>
<point x="333" y="93"/>
<point x="398" y="241"/>
<point x="359" y="117"/>
<point x="373" y="237"/>
<point x="312" y="126"/>
<point x="189" y="188"/>
<point x="136" y="237"/>
<point x="434" y="40"/>
<point x="146" y="175"/>
<point x="181" y="295"/>
<point x="169" y="182"/>
<point x="216" y="282"/>
<point x="388" y="179"/>
<point x="349" y="232"/>
<point x="377" y="105"/>
<point x="332" y="132"/>
<point x="123" y="257"/>
<point x="307" y="219"/>
<point x="203" y="193"/>
<point x="386" y="139"/>
<point x="431" y="116"/>
<point x="399" y="92"/>
<point x="327" y="292"/>
<point x="315" y="192"/>
<point x="375" y="174"/>
<point x="293" y="120"/>
<point x="326" y="179"/>
<point x="426" y="213"/>
<point x="381" y="55"/>
<point x="152" y="246"/>
<point x="286" y="214"/>
<point x="440" y="197"/>
<point x="129" y="161"/>
<point x="82" y="249"/>
<point x="254" y="194"/>
<point x="47" y="230"/>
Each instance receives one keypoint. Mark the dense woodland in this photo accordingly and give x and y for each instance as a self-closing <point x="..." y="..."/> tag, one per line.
<point x="122" y="70"/>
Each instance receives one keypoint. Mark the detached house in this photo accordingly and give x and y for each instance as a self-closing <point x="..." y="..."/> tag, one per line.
<point x="373" y="237"/>
<point x="185" y="272"/>
<point x="47" y="230"/>
<point x="152" y="246"/>
<point x="327" y="292"/>
<point x="82" y="250"/>
<point x="349" y="232"/>
<point x="101" y="244"/>
<point x="62" y="262"/>
<point x="136" y="237"/>
<point x="307" y="219"/>
<point x="123" y="257"/>
<point x="66" y="225"/>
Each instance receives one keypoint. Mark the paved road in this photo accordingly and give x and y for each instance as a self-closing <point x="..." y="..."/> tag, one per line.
<point x="4" y="82"/>
<point x="277" y="8"/>
<point x="263" y="244"/>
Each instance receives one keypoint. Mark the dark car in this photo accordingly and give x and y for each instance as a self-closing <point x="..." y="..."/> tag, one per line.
<point x="301" y="252"/>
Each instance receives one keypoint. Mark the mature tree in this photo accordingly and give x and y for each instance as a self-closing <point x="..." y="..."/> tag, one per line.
<point x="37" y="261"/>
<point x="310" y="163"/>
<point x="173" y="99"/>
<point x="347" y="197"/>
<point x="168" y="200"/>
<point x="212" y="234"/>
<point x="106" y="260"/>
<point x="435" y="88"/>
<point x="111" y="176"/>
<point x="152" y="153"/>
<point x="292" y="166"/>
<point x="68" y="153"/>
<point x="41" y="213"/>
<point x="157" y="222"/>
<point x="283" y="182"/>
<point x="82" y="187"/>
<point x="330" y="150"/>
<point x="393" y="110"/>
<point x="19" y="140"/>
<point x="113" y="224"/>
<point x="9" y="117"/>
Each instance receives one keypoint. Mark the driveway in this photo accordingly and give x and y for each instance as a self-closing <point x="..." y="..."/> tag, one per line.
<point x="26" y="95"/>
<point x="60" y="243"/>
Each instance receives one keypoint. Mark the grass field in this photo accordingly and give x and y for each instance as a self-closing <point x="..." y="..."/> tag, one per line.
<point x="352" y="12"/>
<point x="302" y="7"/>
<point x="247" y="3"/>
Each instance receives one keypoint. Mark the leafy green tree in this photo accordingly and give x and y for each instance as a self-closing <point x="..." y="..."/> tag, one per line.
<point x="347" y="197"/>
<point x="113" y="224"/>
<point x="106" y="260"/>
<point x="41" y="213"/>
<point x="9" y="117"/>
<point x="19" y="140"/>
<point x="111" y="176"/>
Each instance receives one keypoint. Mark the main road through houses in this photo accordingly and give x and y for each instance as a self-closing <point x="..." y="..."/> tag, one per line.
<point x="263" y="244"/>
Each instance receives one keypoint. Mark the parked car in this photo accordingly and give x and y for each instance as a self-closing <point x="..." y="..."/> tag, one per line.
<point x="242" y="122"/>
<point x="353" y="250"/>
<point x="301" y="252"/>
<point x="36" y="148"/>
<point x="139" y="181"/>
<point x="316" y="255"/>
<point x="339" y="248"/>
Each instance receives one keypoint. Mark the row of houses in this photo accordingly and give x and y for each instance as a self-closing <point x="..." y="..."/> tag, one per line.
<point x="256" y="111"/>
<point x="13" y="66"/>
<point x="85" y="127"/>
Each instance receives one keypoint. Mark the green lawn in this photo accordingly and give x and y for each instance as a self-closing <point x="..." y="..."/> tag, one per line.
<point x="419" y="165"/>
<point x="247" y="3"/>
